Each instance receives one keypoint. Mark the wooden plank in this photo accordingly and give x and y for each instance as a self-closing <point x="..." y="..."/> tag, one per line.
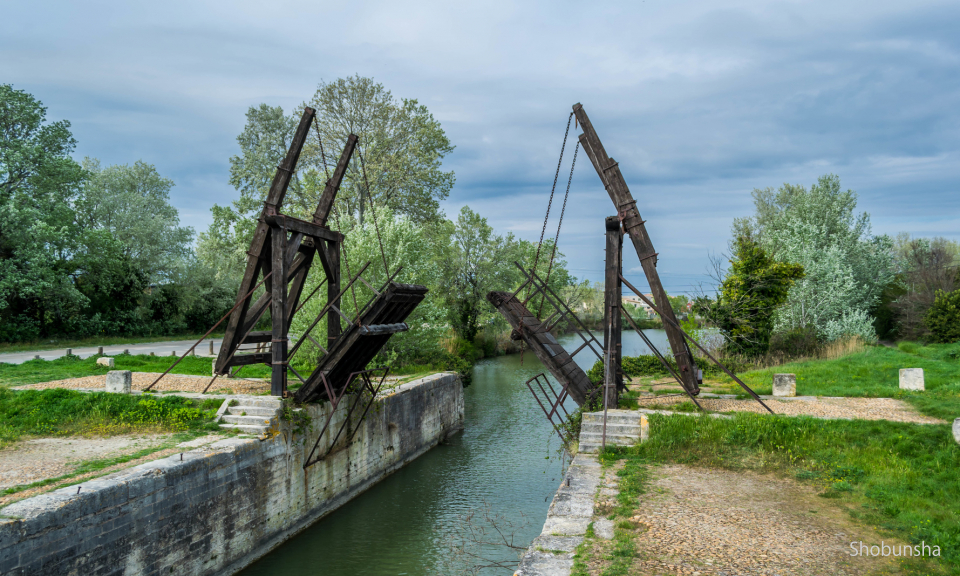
<point x="609" y="172"/>
<point x="381" y="329"/>
<point x="551" y="354"/>
<point x="278" y="313"/>
<point x="245" y="359"/>
<point x="612" y="295"/>
<point x="304" y="227"/>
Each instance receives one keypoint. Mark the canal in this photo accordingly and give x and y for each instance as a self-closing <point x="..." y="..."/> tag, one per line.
<point x="504" y="465"/>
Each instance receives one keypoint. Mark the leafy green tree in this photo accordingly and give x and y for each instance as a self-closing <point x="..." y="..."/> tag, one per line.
<point x="943" y="318"/>
<point x="845" y="267"/>
<point x="402" y="146"/>
<point x="132" y="204"/>
<point x="38" y="183"/>
<point x="754" y="287"/>
<point x="925" y="267"/>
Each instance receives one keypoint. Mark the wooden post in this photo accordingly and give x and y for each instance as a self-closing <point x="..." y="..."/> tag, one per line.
<point x="278" y="309"/>
<point x="609" y="172"/>
<point x="612" y="298"/>
<point x="333" y="289"/>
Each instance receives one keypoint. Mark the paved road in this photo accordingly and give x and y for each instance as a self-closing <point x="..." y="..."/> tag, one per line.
<point x="158" y="348"/>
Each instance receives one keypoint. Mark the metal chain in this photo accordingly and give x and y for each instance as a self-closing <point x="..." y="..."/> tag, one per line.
<point x="553" y="189"/>
<point x="563" y="210"/>
<point x="373" y="211"/>
<point x="546" y="218"/>
<point x="336" y="217"/>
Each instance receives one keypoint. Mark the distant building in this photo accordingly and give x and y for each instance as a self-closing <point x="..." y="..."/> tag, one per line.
<point x="639" y="303"/>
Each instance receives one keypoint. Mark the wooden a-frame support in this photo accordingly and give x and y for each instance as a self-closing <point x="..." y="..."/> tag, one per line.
<point x="282" y="251"/>
<point x="629" y="216"/>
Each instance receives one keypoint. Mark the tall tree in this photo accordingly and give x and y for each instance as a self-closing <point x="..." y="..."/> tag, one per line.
<point x="132" y="205"/>
<point x="924" y="267"/>
<point x="402" y="148"/>
<point x="846" y="268"/>
<point x="38" y="183"/>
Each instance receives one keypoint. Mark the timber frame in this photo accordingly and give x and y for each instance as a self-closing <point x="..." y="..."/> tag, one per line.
<point x="282" y="251"/>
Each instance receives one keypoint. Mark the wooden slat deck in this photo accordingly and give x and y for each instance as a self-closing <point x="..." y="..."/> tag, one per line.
<point x="354" y="349"/>
<point x="544" y="345"/>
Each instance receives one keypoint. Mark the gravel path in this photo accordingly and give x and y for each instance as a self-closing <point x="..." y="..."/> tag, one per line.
<point x="854" y="408"/>
<point x="717" y="522"/>
<point x="169" y="383"/>
<point x="33" y="460"/>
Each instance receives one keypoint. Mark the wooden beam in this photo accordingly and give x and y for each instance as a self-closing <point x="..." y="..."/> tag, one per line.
<point x="303" y="227"/>
<point x="381" y="329"/>
<point x="609" y="172"/>
<point x="612" y="295"/>
<point x="278" y="312"/>
<point x="329" y="196"/>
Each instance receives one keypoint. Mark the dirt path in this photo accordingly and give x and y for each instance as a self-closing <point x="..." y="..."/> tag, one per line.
<point x="169" y="383"/>
<point x="43" y="458"/>
<point x="854" y="408"/>
<point x="717" y="522"/>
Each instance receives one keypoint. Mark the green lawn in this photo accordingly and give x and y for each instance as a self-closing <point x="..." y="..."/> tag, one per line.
<point x="35" y="371"/>
<point x="875" y="373"/>
<point x="60" y="412"/>
<point x="903" y="479"/>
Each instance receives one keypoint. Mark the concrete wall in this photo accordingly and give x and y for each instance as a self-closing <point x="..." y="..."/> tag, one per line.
<point x="221" y="508"/>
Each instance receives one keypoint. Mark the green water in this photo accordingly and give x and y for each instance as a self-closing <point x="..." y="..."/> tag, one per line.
<point x="505" y="462"/>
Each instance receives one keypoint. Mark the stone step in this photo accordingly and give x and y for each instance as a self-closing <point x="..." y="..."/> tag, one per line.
<point x="257" y="430"/>
<point x="252" y="411"/>
<point x="591" y="448"/>
<point x="246" y="420"/>
<point x="613" y="417"/>
<point x="264" y="402"/>
<point x="618" y="439"/>
<point x="623" y="429"/>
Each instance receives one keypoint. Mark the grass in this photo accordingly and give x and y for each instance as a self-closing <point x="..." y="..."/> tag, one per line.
<point x="53" y="344"/>
<point x="875" y="373"/>
<point x="59" y="412"/>
<point x="34" y="371"/>
<point x="901" y="478"/>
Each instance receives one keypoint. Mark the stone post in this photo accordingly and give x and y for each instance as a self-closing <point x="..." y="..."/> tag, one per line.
<point x="956" y="430"/>
<point x="100" y="351"/>
<point x="784" y="384"/>
<point x="911" y="379"/>
<point x="69" y="352"/>
<point x="644" y="428"/>
<point x="211" y="347"/>
<point x="119" y="381"/>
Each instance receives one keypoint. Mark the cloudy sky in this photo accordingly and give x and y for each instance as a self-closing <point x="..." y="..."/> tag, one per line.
<point x="700" y="102"/>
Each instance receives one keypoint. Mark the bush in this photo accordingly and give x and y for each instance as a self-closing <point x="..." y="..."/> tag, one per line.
<point x="797" y="343"/>
<point x="943" y="318"/>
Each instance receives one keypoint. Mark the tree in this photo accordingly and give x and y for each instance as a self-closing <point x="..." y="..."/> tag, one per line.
<point x="402" y="148"/>
<point x="845" y="267"/>
<point x="924" y="267"/>
<point x="943" y="318"/>
<point x="476" y="262"/>
<point x="132" y="204"/>
<point x="754" y="287"/>
<point x="38" y="183"/>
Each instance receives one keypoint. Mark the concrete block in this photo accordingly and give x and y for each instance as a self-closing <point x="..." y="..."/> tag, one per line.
<point x="644" y="428"/>
<point x="784" y="384"/>
<point x="119" y="381"/>
<point x="911" y="379"/>
<point x="105" y="361"/>
<point x="956" y="430"/>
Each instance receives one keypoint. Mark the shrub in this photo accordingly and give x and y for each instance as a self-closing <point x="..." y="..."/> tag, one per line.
<point x="943" y="318"/>
<point x="796" y="343"/>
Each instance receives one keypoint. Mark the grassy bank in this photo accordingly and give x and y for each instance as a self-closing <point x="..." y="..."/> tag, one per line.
<point x="901" y="478"/>
<point x="34" y="371"/>
<point x="59" y="412"/>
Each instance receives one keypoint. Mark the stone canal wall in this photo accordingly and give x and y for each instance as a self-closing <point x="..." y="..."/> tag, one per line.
<point x="220" y="508"/>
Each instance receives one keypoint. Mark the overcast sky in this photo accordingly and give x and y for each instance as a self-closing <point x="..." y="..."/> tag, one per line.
<point x="699" y="103"/>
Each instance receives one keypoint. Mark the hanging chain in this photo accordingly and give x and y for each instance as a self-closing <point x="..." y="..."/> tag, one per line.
<point x="373" y="211"/>
<point x="556" y="177"/>
<point x="559" y="224"/>
<point x="336" y="218"/>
